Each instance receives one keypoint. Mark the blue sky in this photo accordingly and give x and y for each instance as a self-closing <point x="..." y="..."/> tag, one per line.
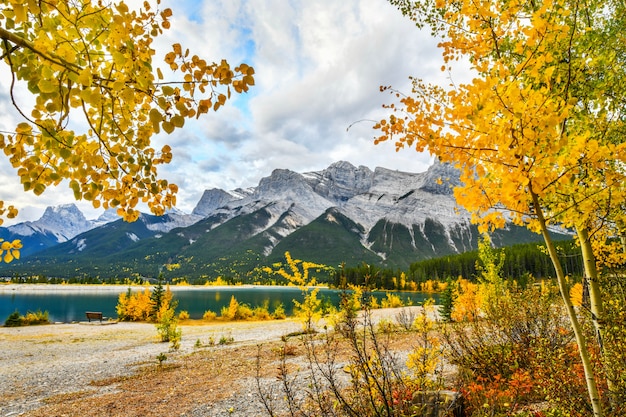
<point x="319" y="65"/>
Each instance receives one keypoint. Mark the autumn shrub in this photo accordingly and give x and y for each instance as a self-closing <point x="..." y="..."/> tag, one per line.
<point x="236" y="311"/>
<point x="183" y="315"/>
<point x="467" y="301"/>
<point x="501" y="356"/>
<point x="209" y="315"/>
<point x="167" y="325"/>
<point x="309" y="311"/>
<point x="31" y="318"/>
<point x="137" y="306"/>
<point x="262" y="313"/>
<point x="391" y="301"/>
<point x="36" y="317"/>
<point x="296" y="272"/>
<point x="143" y="305"/>
<point x="353" y="371"/>
<point x="279" y="312"/>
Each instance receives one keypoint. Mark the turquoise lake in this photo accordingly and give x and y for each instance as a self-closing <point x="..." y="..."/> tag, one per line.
<point x="68" y="305"/>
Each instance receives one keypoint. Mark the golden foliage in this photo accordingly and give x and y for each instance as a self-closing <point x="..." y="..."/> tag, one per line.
<point x="135" y="306"/>
<point x="542" y="116"/>
<point x="10" y="250"/>
<point x="576" y="294"/>
<point x="92" y="65"/>
<point x="467" y="301"/>
<point x="309" y="310"/>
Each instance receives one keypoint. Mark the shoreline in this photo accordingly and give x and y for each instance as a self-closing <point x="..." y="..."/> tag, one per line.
<point x="11" y="287"/>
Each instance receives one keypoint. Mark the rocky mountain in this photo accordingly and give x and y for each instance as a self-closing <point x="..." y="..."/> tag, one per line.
<point x="62" y="223"/>
<point x="340" y="214"/>
<point x="56" y="225"/>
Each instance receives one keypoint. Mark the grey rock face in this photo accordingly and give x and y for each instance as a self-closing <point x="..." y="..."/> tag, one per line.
<point x="211" y="200"/>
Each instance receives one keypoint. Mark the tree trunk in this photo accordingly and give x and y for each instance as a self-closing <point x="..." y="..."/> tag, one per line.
<point x="590" y="380"/>
<point x="591" y="275"/>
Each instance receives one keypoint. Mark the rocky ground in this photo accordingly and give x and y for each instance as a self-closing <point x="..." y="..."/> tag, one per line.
<point x="93" y="369"/>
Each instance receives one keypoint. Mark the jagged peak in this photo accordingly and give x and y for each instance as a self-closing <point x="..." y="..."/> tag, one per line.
<point x="63" y="210"/>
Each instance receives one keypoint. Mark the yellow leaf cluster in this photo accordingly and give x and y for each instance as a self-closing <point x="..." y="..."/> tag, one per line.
<point x="89" y="65"/>
<point x="10" y="250"/>
<point x="543" y="116"/>
<point x="298" y="273"/>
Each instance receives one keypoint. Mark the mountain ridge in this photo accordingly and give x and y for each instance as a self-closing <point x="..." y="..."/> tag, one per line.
<point x="342" y="213"/>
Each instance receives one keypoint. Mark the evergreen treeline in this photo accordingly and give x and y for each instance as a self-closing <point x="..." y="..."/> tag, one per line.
<point x="520" y="262"/>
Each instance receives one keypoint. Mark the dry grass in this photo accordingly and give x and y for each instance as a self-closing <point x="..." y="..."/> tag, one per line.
<point x="204" y="377"/>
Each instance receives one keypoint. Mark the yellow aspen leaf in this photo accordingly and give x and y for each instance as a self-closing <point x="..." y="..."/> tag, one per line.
<point x="178" y="121"/>
<point x="167" y="126"/>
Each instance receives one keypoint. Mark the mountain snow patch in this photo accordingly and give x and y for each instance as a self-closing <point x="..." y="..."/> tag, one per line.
<point x="132" y="237"/>
<point x="81" y="244"/>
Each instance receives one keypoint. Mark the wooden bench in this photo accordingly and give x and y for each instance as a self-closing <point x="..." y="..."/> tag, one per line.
<point x="96" y="315"/>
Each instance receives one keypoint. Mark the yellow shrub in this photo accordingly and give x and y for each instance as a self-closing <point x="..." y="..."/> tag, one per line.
<point x="209" y="315"/>
<point x="135" y="306"/>
<point x="391" y="301"/>
<point x="183" y="315"/>
<point x="466" y="301"/>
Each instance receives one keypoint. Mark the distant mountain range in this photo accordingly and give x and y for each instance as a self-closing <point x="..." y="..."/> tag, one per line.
<point x="340" y="214"/>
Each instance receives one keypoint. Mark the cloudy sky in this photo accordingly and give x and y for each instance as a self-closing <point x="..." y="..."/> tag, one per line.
<point x="319" y="65"/>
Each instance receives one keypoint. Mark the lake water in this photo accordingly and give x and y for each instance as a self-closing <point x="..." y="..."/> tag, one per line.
<point x="70" y="303"/>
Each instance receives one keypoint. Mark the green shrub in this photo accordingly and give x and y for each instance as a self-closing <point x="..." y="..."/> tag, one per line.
<point x="226" y="340"/>
<point x="167" y="326"/>
<point x="14" y="320"/>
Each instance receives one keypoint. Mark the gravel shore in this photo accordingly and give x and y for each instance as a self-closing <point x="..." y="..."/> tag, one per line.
<point x="40" y="362"/>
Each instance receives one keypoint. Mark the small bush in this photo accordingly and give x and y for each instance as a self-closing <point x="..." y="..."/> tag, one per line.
<point x="161" y="357"/>
<point x="405" y="318"/>
<point x="261" y="313"/>
<point x="279" y="312"/>
<point x="183" y="315"/>
<point x="135" y="306"/>
<point x="226" y="340"/>
<point x="236" y="311"/>
<point x="37" y="317"/>
<point x="14" y="320"/>
<point x="167" y="326"/>
<point x="31" y="318"/>
<point x="209" y="315"/>
<point x="391" y="301"/>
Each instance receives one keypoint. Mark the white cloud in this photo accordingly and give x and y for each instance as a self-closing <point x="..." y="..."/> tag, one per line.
<point x="318" y="66"/>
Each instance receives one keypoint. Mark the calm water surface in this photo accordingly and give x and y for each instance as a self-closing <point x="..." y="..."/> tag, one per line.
<point x="67" y="305"/>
